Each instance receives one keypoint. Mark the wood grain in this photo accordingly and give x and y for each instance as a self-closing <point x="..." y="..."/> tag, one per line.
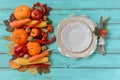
<point x="65" y="4"/>
<point x="111" y="47"/>
<point x="64" y="74"/>
<point x="59" y="61"/>
<point x="57" y="15"/>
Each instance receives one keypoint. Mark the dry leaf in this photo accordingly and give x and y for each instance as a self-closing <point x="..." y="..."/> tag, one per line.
<point x="32" y="70"/>
<point x="22" y="68"/>
<point x="12" y="17"/>
<point x="46" y="70"/>
<point x="43" y="70"/>
<point x="10" y="52"/>
<point x="101" y="23"/>
<point x="40" y="70"/>
<point x="8" y="38"/>
<point x="105" y="21"/>
<point x="11" y="46"/>
<point x="13" y="65"/>
<point x="96" y="31"/>
<point x="9" y="28"/>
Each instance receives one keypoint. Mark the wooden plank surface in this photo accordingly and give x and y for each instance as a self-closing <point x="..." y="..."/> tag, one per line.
<point x="65" y="4"/>
<point x="95" y="60"/>
<point x="64" y="74"/>
<point x="57" y="15"/>
<point x="111" y="47"/>
<point x="95" y="67"/>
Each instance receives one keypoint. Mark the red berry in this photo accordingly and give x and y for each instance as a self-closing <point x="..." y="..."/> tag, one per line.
<point x="49" y="28"/>
<point x="103" y="32"/>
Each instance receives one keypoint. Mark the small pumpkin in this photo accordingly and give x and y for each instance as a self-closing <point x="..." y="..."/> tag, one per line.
<point x="22" y="12"/>
<point x="34" y="48"/>
<point x="19" y="36"/>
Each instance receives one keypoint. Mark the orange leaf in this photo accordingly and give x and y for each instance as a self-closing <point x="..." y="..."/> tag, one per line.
<point x="10" y="52"/>
<point x="11" y="46"/>
<point x="8" y="38"/>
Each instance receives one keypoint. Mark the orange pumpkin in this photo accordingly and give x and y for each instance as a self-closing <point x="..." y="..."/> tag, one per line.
<point x="19" y="36"/>
<point x="22" y="12"/>
<point x="34" y="48"/>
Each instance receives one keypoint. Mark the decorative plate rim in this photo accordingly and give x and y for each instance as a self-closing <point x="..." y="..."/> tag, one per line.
<point x="64" y="51"/>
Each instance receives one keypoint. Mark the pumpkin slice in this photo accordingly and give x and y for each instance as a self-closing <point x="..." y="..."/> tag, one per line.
<point x="13" y="65"/>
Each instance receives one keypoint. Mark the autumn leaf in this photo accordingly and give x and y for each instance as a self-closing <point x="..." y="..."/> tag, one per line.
<point x="11" y="46"/>
<point x="32" y="70"/>
<point x="10" y="52"/>
<point x="96" y="31"/>
<point x="8" y="38"/>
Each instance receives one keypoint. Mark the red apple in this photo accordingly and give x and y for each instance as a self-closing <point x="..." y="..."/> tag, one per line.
<point x="36" y="14"/>
<point x="35" y="32"/>
<point x="20" y="50"/>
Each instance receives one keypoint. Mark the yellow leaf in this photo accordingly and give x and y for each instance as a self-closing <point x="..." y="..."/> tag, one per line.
<point x="32" y="70"/>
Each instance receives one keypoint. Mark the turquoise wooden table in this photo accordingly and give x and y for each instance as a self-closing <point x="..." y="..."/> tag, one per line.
<point x="96" y="67"/>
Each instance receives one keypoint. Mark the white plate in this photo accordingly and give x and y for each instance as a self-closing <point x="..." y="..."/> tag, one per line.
<point x="75" y="37"/>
